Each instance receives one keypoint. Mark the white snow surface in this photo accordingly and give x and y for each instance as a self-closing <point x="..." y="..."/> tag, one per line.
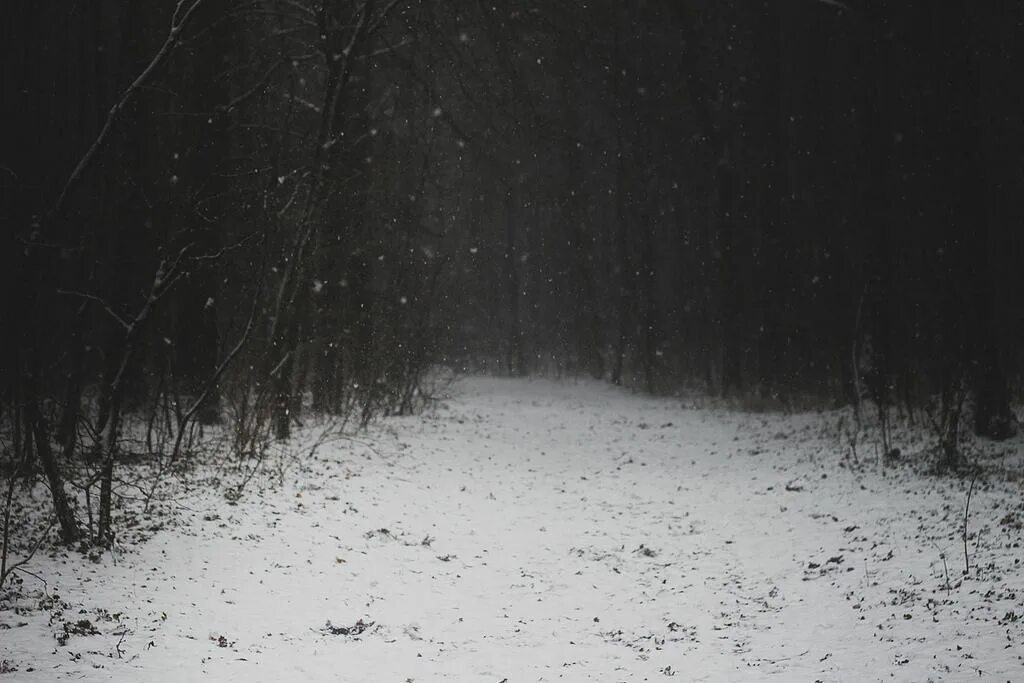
<point x="534" y="530"/>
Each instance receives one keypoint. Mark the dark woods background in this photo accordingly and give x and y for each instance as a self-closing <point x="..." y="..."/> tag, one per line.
<point x="250" y="209"/>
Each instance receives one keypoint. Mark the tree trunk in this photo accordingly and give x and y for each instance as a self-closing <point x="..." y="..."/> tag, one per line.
<point x="729" y="299"/>
<point x="69" y="532"/>
<point x="624" y="267"/>
<point x="588" y="316"/>
<point x="104" y="527"/>
<point x="776" y="289"/>
<point x="972" y="231"/>
<point x="516" y="354"/>
<point x="993" y="416"/>
<point x="282" y="380"/>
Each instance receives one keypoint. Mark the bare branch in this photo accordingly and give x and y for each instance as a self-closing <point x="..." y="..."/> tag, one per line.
<point x="388" y="49"/>
<point x="382" y="17"/>
<point x="836" y="4"/>
<point x="255" y="89"/>
<point x="179" y="21"/>
<point x="299" y="6"/>
<point x="8" y="569"/>
<point x="223" y="251"/>
<point x="219" y="372"/>
<point x="305" y="103"/>
<point x="92" y="297"/>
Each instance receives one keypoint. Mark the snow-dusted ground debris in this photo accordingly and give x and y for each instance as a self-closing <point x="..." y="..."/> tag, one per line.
<point x="539" y="531"/>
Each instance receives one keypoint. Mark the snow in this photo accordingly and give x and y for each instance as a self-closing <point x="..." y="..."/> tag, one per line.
<point x="533" y="530"/>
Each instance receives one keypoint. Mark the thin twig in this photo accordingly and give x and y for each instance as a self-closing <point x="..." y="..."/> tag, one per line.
<point x="967" y="510"/>
<point x="945" y="566"/>
<point x="92" y="297"/>
<point x="20" y="564"/>
<point x="223" y="251"/>
<point x="215" y="378"/>
<point x="178" y="22"/>
<point x="120" y="652"/>
<point x="46" y="586"/>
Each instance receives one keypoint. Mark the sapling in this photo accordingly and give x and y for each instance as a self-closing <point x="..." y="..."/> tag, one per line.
<point x="967" y="510"/>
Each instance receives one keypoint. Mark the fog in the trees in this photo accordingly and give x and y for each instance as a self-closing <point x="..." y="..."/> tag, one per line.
<point x="249" y="214"/>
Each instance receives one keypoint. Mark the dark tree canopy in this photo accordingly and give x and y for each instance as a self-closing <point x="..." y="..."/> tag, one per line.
<point x="253" y="209"/>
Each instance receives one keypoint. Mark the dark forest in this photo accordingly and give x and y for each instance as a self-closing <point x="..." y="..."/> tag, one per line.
<point x="379" y="310"/>
<point x="244" y="212"/>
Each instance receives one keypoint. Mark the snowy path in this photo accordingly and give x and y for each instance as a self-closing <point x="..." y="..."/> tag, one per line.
<point x="536" y="531"/>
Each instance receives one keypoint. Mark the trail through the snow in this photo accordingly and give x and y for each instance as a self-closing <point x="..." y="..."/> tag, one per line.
<point x="542" y="531"/>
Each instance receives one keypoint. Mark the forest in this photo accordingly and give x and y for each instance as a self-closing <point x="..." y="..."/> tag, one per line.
<point x="233" y="218"/>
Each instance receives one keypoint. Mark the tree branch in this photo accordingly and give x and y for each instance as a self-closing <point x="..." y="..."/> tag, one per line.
<point x="92" y="297"/>
<point x="183" y="14"/>
<point x="212" y="381"/>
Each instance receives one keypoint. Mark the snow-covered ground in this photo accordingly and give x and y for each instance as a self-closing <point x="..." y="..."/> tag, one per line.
<point x="529" y="530"/>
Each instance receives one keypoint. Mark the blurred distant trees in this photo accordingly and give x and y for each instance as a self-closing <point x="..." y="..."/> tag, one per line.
<point x="248" y="210"/>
